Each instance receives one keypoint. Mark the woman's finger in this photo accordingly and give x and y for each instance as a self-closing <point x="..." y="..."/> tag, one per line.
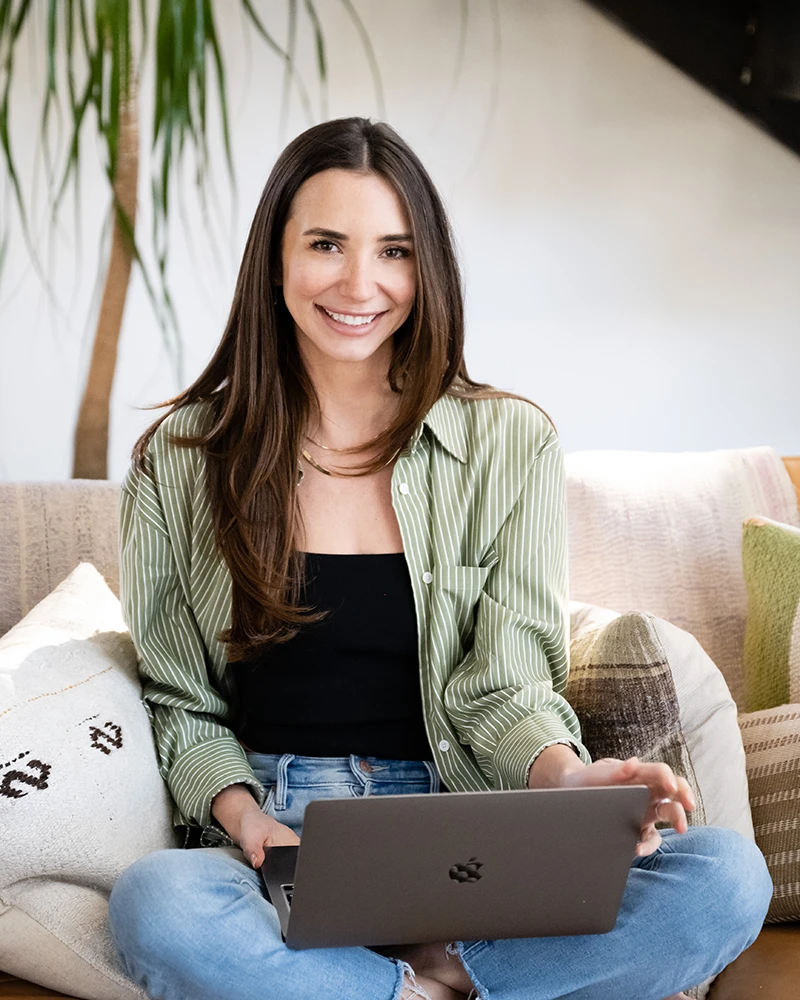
<point x="662" y="782"/>
<point x="254" y="854"/>
<point x="667" y="811"/>
<point x="650" y="841"/>
<point x="659" y="778"/>
<point x="670" y="794"/>
<point x="685" y="794"/>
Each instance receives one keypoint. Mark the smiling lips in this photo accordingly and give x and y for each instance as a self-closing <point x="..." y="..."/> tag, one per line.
<point x="350" y="319"/>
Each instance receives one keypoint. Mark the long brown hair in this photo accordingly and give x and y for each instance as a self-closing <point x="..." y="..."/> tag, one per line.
<point x="260" y="394"/>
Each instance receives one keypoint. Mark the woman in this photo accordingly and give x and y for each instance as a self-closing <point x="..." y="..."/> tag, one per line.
<point x="343" y="566"/>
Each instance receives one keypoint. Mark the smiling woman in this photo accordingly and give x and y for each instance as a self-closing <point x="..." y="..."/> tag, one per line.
<point x="340" y="556"/>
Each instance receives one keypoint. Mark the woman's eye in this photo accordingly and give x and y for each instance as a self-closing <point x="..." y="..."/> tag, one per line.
<point x="401" y="252"/>
<point x="398" y="254"/>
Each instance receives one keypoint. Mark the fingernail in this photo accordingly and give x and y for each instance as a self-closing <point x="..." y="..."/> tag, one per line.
<point x="253" y="858"/>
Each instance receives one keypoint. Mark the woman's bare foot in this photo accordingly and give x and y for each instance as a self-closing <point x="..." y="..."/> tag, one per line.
<point x="440" y="973"/>
<point x="430" y="961"/>
<point x="432" y="987"/>
<point x="678" y="996"/>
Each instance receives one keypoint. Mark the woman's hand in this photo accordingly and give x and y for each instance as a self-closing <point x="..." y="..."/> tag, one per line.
<point x="257" y="830"/>
<point x="240" y="815"/>
<point x="670" y="795"/>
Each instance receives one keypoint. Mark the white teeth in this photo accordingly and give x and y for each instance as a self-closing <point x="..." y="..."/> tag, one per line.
<point x="350" y="320"/>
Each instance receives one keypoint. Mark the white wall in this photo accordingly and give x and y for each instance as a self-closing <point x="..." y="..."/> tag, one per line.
<point x="630" y="244"/>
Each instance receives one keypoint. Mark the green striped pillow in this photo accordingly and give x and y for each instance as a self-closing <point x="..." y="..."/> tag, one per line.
<point x="771" y="562"/>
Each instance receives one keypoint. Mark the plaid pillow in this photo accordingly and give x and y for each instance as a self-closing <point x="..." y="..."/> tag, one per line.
<point x="642" y="686"/>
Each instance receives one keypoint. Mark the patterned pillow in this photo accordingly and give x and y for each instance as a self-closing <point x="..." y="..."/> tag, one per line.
<point x="81" y="797"/>
<point x="642" y="686"/>
<point x="772" y="747"/>
<point x="771" y="562"/>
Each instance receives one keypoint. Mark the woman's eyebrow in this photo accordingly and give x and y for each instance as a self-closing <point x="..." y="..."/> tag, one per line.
<point x="333" y="235"/>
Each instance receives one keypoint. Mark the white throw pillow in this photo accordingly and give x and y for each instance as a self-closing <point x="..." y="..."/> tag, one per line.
<point x="81" y="797"/>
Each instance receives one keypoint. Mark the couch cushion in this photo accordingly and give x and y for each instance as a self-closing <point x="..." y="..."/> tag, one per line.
<point x="81" y="797"/>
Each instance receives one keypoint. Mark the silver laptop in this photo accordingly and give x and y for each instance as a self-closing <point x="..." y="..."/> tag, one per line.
<point x="406" y="869"/>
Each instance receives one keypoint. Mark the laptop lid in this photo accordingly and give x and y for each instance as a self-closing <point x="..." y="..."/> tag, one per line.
<point x="406" y="869"/>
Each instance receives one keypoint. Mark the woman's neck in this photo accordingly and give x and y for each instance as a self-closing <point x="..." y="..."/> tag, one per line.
<point x="355" y="406"/>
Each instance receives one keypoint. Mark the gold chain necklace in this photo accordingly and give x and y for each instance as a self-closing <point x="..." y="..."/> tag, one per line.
<point x="329" y="472"/>
<point x="325" y="446"/>
<point x="321" y="468"/>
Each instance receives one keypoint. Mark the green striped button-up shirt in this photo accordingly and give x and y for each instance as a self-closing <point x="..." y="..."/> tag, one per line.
<point x="479" y="493"/>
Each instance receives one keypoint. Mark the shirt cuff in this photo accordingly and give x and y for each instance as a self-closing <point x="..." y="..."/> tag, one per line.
<point x="514" y="757"/>
<point x="203" y="770"/>
<point x="550" y="743"/>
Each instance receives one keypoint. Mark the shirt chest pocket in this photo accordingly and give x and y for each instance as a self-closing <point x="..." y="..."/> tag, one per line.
<point x="457" y="589"/>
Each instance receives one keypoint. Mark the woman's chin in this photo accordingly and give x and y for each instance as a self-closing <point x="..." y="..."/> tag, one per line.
<point x="343" y="348"/>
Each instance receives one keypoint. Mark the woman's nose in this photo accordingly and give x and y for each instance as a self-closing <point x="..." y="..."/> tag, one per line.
<point x="359" y="281"/>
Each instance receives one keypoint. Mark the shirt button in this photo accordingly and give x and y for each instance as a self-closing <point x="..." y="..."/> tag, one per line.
<point x="427" y="577"/>
<point x="404" y="488"/>
<point x="444" y="745"/>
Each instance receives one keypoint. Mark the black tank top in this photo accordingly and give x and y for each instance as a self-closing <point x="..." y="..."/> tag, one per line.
<point x="349" y="683"/>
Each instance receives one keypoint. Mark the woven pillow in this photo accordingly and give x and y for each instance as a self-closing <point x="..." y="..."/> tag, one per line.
<point x="643" y="687"/>
<point x="772" y="747"/>
<point x="81" y="797"/>
<point x="771" y="561"/>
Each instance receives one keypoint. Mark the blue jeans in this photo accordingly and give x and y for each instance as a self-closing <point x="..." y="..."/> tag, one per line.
<point x="197" y="924"/>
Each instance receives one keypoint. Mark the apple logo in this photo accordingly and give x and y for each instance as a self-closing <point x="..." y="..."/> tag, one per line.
<point x="466" y="873"/>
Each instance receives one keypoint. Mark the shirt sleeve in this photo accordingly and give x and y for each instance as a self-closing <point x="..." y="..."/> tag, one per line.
<point x="505" y="698"/>
<point x="198" y="755"/>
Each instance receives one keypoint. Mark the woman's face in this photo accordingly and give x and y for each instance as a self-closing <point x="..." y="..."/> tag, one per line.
<point x="347" y="258"/>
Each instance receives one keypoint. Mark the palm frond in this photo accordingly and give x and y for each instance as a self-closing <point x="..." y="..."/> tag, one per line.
<point x="285" y="54"/>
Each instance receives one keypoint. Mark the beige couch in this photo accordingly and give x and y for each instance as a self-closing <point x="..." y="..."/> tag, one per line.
<point x="64" y="523"/>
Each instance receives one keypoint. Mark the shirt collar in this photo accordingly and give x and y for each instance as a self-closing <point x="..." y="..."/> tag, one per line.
<point x="446" y="419"/>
